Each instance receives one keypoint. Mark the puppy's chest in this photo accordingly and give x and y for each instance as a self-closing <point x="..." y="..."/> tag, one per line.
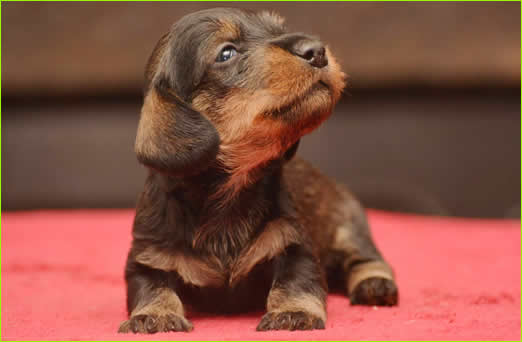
<point x="196" y="267"/>
<point x="224" y="258"/>
<point x="213" y="257"/>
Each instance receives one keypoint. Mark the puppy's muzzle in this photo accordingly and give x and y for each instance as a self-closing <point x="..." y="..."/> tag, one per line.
<point x="308" y="48"/>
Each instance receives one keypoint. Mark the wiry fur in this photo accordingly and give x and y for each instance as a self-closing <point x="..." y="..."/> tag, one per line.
<point x="229" y="220"/>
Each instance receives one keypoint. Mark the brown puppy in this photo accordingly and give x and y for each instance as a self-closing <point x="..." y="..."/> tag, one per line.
<point x="229" y="219"/>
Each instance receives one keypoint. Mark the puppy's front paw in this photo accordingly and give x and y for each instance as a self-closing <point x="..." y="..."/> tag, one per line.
<point x="150" y="324"/>
<point x="298" y="320"/>
<point x="375" y="291"/>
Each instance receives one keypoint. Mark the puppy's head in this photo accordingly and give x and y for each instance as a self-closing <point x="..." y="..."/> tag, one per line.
<point x="233" y="87"/>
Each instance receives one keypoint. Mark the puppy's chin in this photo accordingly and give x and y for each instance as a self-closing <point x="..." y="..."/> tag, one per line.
<point x="306" y="112"/>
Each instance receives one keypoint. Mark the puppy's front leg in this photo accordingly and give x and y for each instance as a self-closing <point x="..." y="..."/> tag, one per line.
<point x="297" y="299"/>
<point x="152" y="304"/>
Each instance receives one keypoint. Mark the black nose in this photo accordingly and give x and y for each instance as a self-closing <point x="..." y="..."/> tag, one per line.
<point x="311" y="51"/>
<point x="305" y="47"/>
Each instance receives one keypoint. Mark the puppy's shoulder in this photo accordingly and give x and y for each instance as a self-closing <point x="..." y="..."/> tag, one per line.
<point x="319" y="200"/>
<point x="302" y="179"/>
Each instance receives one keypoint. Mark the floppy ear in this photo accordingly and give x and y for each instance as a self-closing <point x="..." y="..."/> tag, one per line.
<point x="172" y="137"/>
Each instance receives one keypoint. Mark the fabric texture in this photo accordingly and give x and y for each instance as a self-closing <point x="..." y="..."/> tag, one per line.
<point x="62" y="278"/>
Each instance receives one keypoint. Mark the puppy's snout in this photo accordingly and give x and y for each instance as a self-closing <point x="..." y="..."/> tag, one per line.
<point x="311" y="51"/>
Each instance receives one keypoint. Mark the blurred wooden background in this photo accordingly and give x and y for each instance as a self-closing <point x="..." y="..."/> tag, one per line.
<point x="430" y="124"/>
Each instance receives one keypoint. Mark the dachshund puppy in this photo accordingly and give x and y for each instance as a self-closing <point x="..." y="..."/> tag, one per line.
<point x="230" y="220"/>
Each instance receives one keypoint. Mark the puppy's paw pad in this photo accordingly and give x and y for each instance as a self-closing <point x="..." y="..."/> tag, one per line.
<point x="375" y="291"/>
<point x="298" y="320"/>
<point x="150" y="324"/>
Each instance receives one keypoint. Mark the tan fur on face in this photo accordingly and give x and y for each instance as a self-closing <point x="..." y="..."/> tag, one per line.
<point x="236" y="112"/>
<point x="195" y="271"/>
<point x="281" y="301"/>
<point x="249" y="138"/>
<point x="336" y="78"/>
<point x="285" y="78"/>
<point x="273" y="240"/>
<point x="284" y="75"/>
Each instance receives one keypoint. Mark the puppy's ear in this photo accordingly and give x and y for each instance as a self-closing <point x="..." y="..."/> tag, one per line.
<point x="172" y="137"/>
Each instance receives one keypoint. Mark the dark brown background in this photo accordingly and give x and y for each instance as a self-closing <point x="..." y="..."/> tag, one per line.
<point x="430" y="124"/>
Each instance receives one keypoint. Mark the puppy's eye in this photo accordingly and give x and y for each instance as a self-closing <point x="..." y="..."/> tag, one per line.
<point x="226" y="53"/>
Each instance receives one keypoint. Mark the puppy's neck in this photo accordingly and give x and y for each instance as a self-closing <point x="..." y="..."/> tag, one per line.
<point x="227" y="189"/>
<point x="209" y="191"/>
<point x="243" y="178"/>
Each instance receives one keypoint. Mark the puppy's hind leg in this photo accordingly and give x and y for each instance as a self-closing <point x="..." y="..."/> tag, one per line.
<point x="368" y="279"/>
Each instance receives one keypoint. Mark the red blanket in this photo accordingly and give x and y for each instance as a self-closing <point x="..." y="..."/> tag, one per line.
<point x="62" y="278"/>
